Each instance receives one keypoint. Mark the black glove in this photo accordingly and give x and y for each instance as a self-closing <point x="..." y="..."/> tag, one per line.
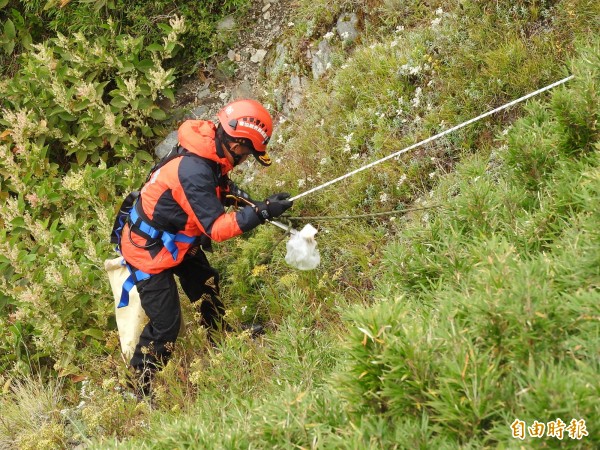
<point x="273" y="207"/>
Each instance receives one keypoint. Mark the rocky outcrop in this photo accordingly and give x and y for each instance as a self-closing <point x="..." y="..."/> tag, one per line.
<point x="261" y="50"/>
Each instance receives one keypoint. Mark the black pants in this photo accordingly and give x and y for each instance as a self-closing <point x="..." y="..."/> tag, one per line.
<point x="160" y="301"/>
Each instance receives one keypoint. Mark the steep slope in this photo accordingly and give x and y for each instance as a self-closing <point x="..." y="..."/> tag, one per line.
<point x="472" y="313"/>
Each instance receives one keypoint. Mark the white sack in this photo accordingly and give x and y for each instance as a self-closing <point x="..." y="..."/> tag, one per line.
<point x="302" y="252"/>
<point x="131" y="319"/>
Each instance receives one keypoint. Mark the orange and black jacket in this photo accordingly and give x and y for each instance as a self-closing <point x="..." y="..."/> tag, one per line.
<point x="186" y="196"/>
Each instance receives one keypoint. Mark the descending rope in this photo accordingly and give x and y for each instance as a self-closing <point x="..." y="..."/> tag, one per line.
<point x="433" y="138"/>
<point x="362" y="216"/>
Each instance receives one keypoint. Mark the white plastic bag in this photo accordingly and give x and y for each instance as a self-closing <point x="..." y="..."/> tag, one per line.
<point x="131" y="319"/>
<point x="302" y="252"/>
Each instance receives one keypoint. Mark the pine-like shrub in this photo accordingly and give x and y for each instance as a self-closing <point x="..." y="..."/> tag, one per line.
<point x="511" y="332"/>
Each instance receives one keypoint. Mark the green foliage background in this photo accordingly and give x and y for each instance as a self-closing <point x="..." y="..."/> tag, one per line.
<point x="476" y="304"/>
<point x="25" y="22"/>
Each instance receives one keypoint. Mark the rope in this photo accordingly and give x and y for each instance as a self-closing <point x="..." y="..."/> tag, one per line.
<point x="433" y="138"/>
<point x="361" y="216"/>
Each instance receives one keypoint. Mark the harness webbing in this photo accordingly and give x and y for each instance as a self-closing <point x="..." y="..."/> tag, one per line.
<point x="168" y="239"/>
<point x="129" y="283"/>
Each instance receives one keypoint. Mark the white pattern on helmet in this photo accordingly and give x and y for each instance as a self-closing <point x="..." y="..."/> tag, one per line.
<point x="262" y="132"/>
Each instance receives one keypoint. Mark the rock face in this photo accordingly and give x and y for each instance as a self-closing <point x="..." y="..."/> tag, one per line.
<point x="321" y="59"/>
<point x="260" y="50"/>
<point x="346" y="27"/>
<point x="165" y="146"/>
<point x="228" y="23"/>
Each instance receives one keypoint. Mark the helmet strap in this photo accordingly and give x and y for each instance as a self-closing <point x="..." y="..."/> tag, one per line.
<point x="222" y="139"/>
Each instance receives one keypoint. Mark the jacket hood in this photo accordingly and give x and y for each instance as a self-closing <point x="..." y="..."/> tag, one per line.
<point x="198" y="136"/>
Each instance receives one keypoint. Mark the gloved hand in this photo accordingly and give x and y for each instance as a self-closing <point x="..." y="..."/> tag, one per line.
<point x="273" y="207"/>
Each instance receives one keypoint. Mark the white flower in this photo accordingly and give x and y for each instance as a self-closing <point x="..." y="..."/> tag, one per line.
<point x="110" y="123"/>
<point x="416" y="101"/>
<point x="383" y="198"/>
<point x="439" y="12"/>
<point x="435" y="22"/>
<point x="401" y="180"/>
<point x="301" y="183"/>
<point x="178" y="24"/>
<point x="64" y="252"/>
<point x="86" y="91"/>
<point x="74" y="181"/>
<point x="329" y="35"/>
<point x="158" y="80"/>
<point x="132" y="89"/>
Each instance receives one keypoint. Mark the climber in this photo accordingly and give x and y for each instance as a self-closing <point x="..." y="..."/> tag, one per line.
<point x="179" y="211"/>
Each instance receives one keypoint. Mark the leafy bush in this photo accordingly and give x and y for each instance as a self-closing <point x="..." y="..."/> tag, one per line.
<point x="24" y="23"/>
<point x="75" y="117"/>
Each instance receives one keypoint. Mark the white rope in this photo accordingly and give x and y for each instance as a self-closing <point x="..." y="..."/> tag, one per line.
<point x="432" y="138"/>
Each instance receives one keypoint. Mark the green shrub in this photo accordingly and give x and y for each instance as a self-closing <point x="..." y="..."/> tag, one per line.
<point x="76" y="116"/>
<point x="24" y="23"/>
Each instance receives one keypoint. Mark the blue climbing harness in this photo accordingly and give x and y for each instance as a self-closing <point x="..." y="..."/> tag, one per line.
<point x="168" y="240"/>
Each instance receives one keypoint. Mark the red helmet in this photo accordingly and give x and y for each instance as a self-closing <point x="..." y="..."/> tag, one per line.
<point x="248" y="119"/>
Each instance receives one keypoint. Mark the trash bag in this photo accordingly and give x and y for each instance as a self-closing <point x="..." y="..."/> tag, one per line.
<point x="131" y="319"/>
<point x="302" y="252"/>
